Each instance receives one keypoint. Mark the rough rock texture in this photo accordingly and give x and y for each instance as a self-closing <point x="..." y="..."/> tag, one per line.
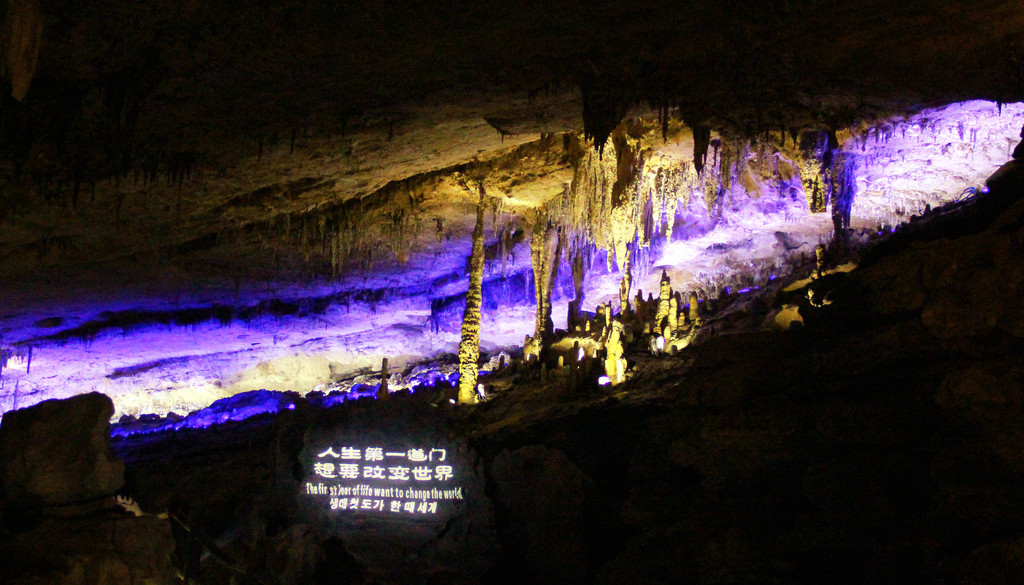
<point x="541" y="493"/>
<point x="57" y="452"/>
<point x="998" y="563"/>
<point x="115" y="549"/>
<point x="963" y="287"/>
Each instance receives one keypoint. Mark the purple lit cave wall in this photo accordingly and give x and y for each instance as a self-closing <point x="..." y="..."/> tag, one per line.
<point x="158" y="353"/>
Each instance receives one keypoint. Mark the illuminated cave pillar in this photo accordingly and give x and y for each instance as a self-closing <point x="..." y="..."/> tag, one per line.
<point x="844" y="188"/>
<point x="544" y="253"/>
<point x="661" y="318"/>
<point x="469" y="346"/>
<point x="815" y="164"/>
<point x="575" y="316"/>
<point x="614" y="363"/>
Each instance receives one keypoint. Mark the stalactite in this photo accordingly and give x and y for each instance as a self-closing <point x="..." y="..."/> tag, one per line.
<point x="23" y="32"/>
<point x="469" y="347"/>
<point x="603" y="108"/>
<point x="701" y="140"/>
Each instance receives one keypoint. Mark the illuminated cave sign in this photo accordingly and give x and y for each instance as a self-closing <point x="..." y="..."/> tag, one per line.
<point x="377" y="480"/>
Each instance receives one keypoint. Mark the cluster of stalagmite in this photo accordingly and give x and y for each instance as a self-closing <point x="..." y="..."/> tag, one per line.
<point x="663" y="324"/>
<point x="621" y="204"/>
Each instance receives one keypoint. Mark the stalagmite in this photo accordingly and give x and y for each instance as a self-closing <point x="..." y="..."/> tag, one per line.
<point x="694" y="310"/>
<point x="469" y="347"/>
<point x="614" y="364"/>
<point x="531" y="349"/>
<point x="663" y="302"/>
<point x="605" y="311"/>
<point x="382" y="392"/>
<point x="673" y="317"/>
<point x="624" y="286"/>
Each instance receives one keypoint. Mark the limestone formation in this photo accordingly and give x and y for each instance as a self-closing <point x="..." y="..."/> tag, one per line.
<point x="614" y="363"/>
<point x="544" y="256"/>
<point x="469" y="347"/>
<point x="624" y="287"/>
<point x="660" y="319"/>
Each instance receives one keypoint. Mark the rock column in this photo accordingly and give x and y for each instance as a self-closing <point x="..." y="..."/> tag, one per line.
<point x="469" y="347"/>
<point x="544" y="257"/>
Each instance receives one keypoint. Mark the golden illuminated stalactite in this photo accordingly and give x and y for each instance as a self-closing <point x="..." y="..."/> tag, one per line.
<point x="670" y="218"/>
<point x="624" y="286"/>
<point x="22" y="36"/>
<point x="813" y="171"/>
<point x="469" y="347"/>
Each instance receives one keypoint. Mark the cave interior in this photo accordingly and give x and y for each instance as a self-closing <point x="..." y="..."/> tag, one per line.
<point x="714" y="292"/>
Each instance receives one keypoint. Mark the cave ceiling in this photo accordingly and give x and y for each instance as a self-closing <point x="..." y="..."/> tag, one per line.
<point x="201" y="155"/>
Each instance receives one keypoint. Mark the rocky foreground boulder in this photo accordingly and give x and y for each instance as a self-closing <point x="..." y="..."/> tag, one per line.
<point x="59" y="519"/>
<point x="57" y="453"/>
